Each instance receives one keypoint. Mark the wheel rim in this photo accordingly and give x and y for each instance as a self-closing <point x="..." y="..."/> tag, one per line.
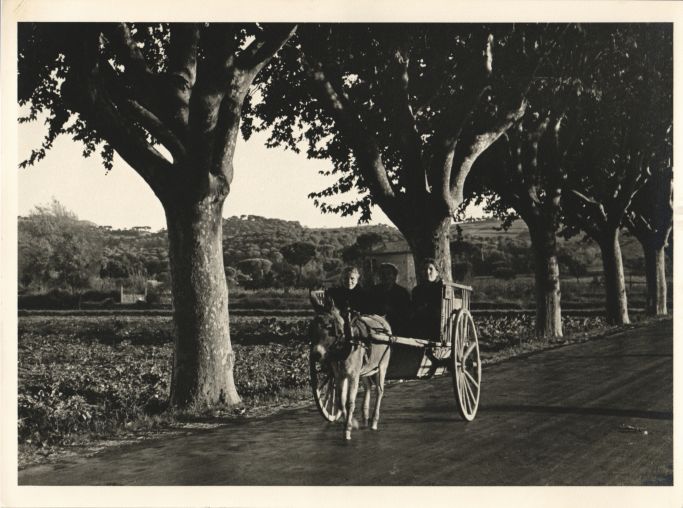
<point x="466" y="365"/>
<point x="324" y="390"/>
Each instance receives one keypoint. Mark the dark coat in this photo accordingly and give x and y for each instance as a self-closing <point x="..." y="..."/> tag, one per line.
<point x="355" y="299"/>
<point x="394" y="304"/>
<point x="426" y="320"/>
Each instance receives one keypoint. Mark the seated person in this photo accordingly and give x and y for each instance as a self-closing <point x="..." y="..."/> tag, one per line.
<point x="391" y="300"/>
<point x="349" y="295"/>
<point x="426" y="299"/>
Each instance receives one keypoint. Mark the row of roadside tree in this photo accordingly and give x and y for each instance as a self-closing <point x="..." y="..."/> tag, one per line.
<point x="567" y="125"/>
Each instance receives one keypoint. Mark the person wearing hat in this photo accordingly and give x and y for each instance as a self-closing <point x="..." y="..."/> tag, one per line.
<point x="391" y="300"/>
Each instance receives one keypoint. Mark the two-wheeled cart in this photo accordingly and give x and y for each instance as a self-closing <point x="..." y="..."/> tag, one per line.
<point x="456" y="350"/>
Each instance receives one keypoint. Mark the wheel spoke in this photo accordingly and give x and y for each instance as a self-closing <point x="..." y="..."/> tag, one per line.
<point x="332" y="403"/>
<point x="469" y="351"/>
<point x="324" y="383"/>
<point x="465" y="396"/>
<point x="474" y="381"/>
<point x="469" y="390"/>
<point x="463" y="329"/>
<point x="326" y="394"/>
<point x="464" y="360"/>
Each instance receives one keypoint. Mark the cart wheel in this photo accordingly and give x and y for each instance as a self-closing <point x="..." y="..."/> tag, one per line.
<point x="465" y="365"/>
<point x="324" y="390"/>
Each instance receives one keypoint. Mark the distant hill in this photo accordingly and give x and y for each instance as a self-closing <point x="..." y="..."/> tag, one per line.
<point x="253" y="251"/>
<point x="490" y="232"/>
<point x="491" y="228"/>
<point x="252" y="236"/>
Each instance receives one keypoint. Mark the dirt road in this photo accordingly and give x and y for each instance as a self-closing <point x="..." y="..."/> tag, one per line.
<point x="598" y="413"/>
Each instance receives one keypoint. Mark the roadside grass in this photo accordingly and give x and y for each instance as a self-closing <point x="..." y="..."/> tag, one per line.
<point x="84" y="381"/>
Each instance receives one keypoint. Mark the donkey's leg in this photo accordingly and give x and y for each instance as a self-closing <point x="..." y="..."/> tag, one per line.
<point x="381" y="374"/>
<point x="353" y="392"/>
<point x="343" y="395"/>
<point x="366" y="400"/>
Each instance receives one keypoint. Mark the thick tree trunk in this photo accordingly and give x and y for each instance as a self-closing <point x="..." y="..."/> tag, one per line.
<point x="430" y="239"/>
<point x="204" y="359"/>
<point x="615" y="287"/>
<point x="547" y="275"/>
<point x="655" y="276"/>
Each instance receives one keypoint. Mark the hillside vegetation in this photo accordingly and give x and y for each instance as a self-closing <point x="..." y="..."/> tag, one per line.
<point x="81" y="261"/>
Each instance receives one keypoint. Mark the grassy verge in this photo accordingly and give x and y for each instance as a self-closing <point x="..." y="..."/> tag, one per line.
<point x="87" y="380"/>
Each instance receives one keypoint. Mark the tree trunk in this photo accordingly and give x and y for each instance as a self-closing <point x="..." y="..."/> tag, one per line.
<point x="655" y="276"/>
<point x="204" y="359"/>
<point x="615" y="286"/>
<point x="547" y="283"/>
<point x="430" y="239"/>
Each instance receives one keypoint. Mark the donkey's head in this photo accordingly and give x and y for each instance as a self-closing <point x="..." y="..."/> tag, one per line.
<point x="326" y="329"/>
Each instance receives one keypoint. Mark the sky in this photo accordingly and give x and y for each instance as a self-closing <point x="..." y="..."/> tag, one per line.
<point x="270" y="182"/>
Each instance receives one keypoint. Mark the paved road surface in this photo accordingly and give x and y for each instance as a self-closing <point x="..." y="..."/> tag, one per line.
<point x="598" y="413"/>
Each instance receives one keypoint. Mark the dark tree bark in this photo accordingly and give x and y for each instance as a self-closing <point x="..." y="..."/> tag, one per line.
<point x="547" y="281"/>
<point x="430" y="239"/>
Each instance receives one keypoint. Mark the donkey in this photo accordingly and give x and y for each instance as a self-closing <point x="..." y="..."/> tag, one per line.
<point x="351" y="358"/>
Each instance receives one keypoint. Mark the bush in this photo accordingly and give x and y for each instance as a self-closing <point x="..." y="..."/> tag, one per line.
<point x="54" y="299"/>
<point x="504" y="273"/>
<point x="98" y="296"/>
<point x="153" y="296"/>
<point x="462" y="272"/>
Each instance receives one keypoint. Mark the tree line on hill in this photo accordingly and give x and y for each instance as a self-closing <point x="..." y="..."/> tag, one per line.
<point x="567" y="126"/>
<point x="57" y="251"/>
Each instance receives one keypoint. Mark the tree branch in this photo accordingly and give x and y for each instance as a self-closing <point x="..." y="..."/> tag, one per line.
<point x="214" y="76"/>
<point x="119" y="132"/>
<point x="262" y="49"/>
<point x="469" y="146"/>
<point x="157" y="129"/>
<point x="363" y="143"/>
<point x="126" y="48"/>
<point x="86" y="91"/>
<point x="409" y="142"/>
<point x="587" y="211"/>
<point x="143" y="81"/>
<point x="182" y="73"/>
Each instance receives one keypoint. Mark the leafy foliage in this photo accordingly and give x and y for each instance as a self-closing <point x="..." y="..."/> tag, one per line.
<point x="626" y="132"/>
<point x="404" y="83"/>
<point x="56" y="249"/>
<point x="96" y="376"/>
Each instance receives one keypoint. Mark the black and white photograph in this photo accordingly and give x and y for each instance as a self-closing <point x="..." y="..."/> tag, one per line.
<point x="311" y="255"/>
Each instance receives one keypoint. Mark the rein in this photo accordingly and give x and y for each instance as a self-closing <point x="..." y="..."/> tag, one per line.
<point x="343" y="345"/>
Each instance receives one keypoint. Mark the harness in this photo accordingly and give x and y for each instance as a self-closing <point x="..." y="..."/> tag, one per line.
<point x="363" y="332"/>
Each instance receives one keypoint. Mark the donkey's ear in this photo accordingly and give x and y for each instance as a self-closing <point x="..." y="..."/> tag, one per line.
<point x="329" y="304"/>
<point x="318" y="300"/>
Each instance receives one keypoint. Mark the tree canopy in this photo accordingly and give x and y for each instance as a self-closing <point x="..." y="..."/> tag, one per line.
<point x="402" y="111"/>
